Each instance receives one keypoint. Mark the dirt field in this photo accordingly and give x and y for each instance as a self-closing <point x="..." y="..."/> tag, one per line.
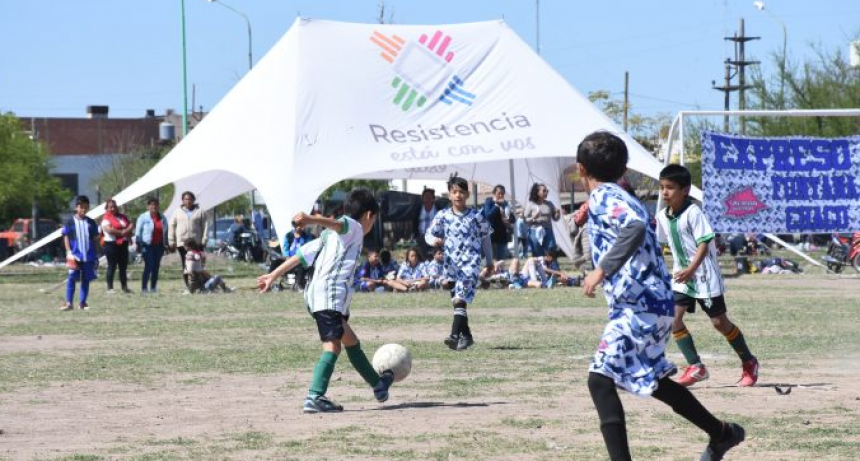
<point x="168" y="378"/>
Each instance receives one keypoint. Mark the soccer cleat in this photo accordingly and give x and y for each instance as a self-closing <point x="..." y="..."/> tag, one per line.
<point x="716" y="450"/>
<point x="749" y="375"/>
<point x="67" y="307"/>
<point x="380" y="391"/>
<point x="320" y="404"/>
<point x="694" y="374"/>
<point x="84" y="306"/>
<point x="465" y="342"/>
<point x="451" y="342"/>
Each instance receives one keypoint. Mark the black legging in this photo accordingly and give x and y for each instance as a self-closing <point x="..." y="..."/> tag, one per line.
<point x="117" y="257"/>
<point x="611" y="412"/>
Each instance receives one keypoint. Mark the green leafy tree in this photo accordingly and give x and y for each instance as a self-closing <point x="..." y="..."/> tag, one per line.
<point x="825" y="81"/>
<point x="347" y="185"/>
<point x="26" y="178"/>
<point x="121" y="170"/>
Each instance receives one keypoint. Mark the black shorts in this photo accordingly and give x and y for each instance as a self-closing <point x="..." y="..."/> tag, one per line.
<point x="714" y="307"/>
<point x="330" y="324"/>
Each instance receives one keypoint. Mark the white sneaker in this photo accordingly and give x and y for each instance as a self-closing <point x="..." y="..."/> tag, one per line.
<point x="186" y="292"/>
<point x="111" y="291"/>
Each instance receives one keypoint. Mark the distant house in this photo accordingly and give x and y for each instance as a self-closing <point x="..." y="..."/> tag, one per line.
<point x="82" y="149"/>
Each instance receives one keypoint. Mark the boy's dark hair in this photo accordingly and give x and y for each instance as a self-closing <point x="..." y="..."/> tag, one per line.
<point x="678" y="174"/>
<point x="358" y="202"/>
<point x="190" y="243"/>
<point x="190" y="194"/>
<point x="151" y="200"/>
<point x="458" y="182"/>
<point x="82" y="199"/>
<point x="385" y="257"/>
<point x="428" y="190"/>
<point x="552" y="253"/>
<point x="603" y="155"/>
<point x="499" y="187"/>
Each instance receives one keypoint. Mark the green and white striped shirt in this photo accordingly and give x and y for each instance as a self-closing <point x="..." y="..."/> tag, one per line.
<point x="334" y="256"/>
<point x="683" y="231"/>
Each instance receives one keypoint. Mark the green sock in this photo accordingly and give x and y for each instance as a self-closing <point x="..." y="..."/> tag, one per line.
<point x="322" y="373"/>
<point x="685" y="343"/>
<point x="362" y="365"/>
<point x="738" y="343"/>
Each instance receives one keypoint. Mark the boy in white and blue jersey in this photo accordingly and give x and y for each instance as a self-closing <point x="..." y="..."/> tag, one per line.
<point x="80" y="237"/>
<point x="697" y="278"/>
<point x="334" y="255"/>
<point x="464" y="234"/>
<point x="629" y="264"/>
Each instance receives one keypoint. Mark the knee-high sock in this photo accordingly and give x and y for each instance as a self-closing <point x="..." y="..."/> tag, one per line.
<point x="685" y="343"/>
<point x="461" y="320"/>
<point x="363" y="366"/>
<point x="685" y="404"/>
<point x="738" y="343"/>
<point x="611" y="413"/>
<point x="322" y="373"/>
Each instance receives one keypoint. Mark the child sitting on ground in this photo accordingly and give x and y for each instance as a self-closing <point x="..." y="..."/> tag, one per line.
<point x="410" y="276"/>
<point x="199" y="279"/>
<point x="555" y="274"/>
<point x="434" y="269"/>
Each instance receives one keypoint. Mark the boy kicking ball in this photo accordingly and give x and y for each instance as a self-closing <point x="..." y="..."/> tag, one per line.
<point x="334" y="255"/>
<point x="629" y="264"/>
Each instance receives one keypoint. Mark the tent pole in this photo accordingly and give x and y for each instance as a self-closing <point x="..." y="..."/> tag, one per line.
<point x="513" y="207"/>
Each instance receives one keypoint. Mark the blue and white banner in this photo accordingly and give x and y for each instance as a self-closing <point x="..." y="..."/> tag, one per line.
<point x="781" y="185"/>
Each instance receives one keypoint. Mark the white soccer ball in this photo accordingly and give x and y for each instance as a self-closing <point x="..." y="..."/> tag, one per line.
<point x="393" y="357"/>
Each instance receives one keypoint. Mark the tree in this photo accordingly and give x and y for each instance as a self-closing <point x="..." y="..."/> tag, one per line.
<point x="373" y="185"/>
<point x="648" y="131"/>
<point x="825" y="81"/>
<point x="120" y="170"/>
<point x="26" y="178"/>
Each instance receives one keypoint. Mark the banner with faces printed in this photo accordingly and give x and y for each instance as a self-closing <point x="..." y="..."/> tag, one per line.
<point x="781" y="185"/>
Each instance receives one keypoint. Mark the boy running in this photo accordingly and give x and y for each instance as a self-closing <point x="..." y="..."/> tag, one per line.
<point x="629" y="265"/>
<point x="464" y="234"/>
<point x="334" y="255"/>
<point x="697" y="277"/>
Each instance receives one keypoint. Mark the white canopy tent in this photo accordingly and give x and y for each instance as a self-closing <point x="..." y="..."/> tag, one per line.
<point x="335" y="100"/>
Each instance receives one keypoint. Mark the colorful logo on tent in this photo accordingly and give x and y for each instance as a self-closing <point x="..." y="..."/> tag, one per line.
<point x="422" y="70"/>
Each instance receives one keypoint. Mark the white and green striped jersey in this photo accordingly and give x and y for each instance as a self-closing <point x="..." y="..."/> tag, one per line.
<point x="683" y="232"/>
<point x="334" y="257"/>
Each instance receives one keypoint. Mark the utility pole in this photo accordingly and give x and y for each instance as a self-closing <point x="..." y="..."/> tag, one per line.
<point x="741" y="63"/>
<point x="626" y="97"/>
<point x="727" y="89"/>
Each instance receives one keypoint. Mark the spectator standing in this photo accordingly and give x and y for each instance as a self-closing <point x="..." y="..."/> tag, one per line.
<point x="539" y="215"/>
<point x="189" y="221"/>
<point x="422" y="221"/>
<point x="501" y="218"/>
<point x="151" y="236"/>
<point x="116" y="228"/>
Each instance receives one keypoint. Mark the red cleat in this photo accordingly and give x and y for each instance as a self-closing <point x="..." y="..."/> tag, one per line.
<point x="694" y="374"/>
<point x="749" y="375"/>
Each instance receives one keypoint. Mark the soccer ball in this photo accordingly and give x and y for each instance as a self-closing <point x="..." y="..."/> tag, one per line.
<point x="393" y="357"/>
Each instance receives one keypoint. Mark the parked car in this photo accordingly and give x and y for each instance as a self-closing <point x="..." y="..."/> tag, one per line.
<point x="18" y="236"/>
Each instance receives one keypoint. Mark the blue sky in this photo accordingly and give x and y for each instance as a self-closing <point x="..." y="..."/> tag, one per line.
<point x="60" y="56"/>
